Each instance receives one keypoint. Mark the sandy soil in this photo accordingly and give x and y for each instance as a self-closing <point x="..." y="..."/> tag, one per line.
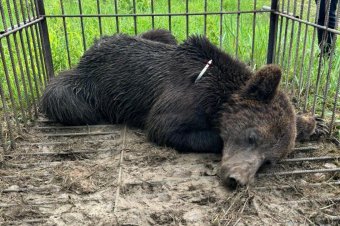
<point x="111" y="175"/>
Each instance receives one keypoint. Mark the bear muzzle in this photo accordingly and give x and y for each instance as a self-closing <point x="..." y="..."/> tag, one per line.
<point x="239" y="168"/>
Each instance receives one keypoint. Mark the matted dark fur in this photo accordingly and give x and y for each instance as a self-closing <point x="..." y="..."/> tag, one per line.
<point x="150" y="84"/>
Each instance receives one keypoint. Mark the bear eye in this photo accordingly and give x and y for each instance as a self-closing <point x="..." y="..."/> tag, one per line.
<point x="252" y="137"/>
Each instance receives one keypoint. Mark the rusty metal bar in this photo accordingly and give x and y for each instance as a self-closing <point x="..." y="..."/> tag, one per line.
<point x="294" y="172"/>
<point x="169" y="11"/>
<point x="311" y="58"/>
<point x="82" y="24"/>
<point x="6" y="119"/>
<point x="335" y="105"/>
<point x="303" y="52"/>
<point x="160" y="14"/>
<point x="272" y="32"/>
<point x="320" y="158"/>
<point x="221" y="23"/>
<point x="304" y="201"/>
<point x="187" y="18"/>
<point x="38" y="82"/>
<point x="325" y="96"/>
<point x="99" y="19"/>
<point x="28" y="73"/>
<point x="75" y="127"/>
<point x="65" y="32"/>
<point x="297" y="185"/>
<point x="134" y="17"/>
<point x="78" y="134"/>
<point x="116" y="15"/>
<point x="28" y="102"/>
<point x="253" y="37"/>
<point x="237" y="29"/>
<point x="152" y="14"/>
<point x="291" y="47"/>
<point x="205" y="17"/>
<point x="21" y="26"/>
<point x="10" y="92"/>
<point x="95" y="151"/>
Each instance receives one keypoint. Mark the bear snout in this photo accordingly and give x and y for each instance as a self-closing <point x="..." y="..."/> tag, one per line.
<point x="239" y="169"/>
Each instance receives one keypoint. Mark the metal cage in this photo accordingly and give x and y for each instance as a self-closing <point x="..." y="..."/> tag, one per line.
<point x="281" y="32"/>
<point x="38" y="39"/>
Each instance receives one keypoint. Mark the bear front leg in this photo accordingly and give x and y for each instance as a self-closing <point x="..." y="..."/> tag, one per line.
<point x="310" y="128"/>
<point x="183" y="132"/>
<point x="203" y="141"/>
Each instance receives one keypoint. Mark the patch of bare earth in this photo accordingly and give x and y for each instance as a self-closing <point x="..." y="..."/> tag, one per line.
<point x="111" y="175"/>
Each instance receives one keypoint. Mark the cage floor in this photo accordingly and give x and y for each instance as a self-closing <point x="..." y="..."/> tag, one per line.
<point x="111" y="175"/>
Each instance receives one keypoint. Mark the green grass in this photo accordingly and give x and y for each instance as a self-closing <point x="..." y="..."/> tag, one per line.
<point x="234" y="27"/>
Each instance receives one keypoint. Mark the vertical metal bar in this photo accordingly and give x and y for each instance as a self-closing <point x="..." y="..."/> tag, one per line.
<point x="11" y="53"/>
<point x="36" y="54"/>
<point x="272" y="32"/>
<point x="99" y="19"/>
<point x="278" y="52"/>
<point x="10" y="91"/>
<point x="31" y="52"/>
<point x="6" y="116"/>
<point x="237" y="27"/>
<point x="187" y="17"/>
<point x="116" y="12"/>
<point x="152" y="17"/>
<point x="291" y="47"/>
<point x="254" y="35"/>
<point x="40" y="62"/>
<point x="134" y="17"/>
<point x="311" y="59"/>
<point x="325" y="95"/>
<point x="318" y="77"/>
<point x="82" y="24"/>
<point x="28" y="102"/>
<point x="325" y="33"/>
<point x="285" y="46"/>
<point x="28" y="73"/>
<point x="335" y="105"/>
<point x="303" y="51"/>
<point x="221" y="22"/>
<point x="205" y="17"/>
<point x="65" y="32"/>
<point x="169" y="11"/>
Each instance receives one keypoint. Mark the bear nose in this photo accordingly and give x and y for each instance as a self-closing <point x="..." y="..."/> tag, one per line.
<point x="231" y="183"/>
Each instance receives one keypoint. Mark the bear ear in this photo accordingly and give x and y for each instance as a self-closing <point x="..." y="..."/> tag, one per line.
<point x="264" y="84"/>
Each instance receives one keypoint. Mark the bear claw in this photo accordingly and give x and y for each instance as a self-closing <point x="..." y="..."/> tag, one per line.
<point x="321" y="129"/>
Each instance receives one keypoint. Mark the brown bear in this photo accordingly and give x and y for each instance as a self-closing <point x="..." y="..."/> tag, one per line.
<point x="151" y="83"/>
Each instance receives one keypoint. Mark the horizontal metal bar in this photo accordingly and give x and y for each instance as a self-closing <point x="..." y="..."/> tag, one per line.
<point x="299" y="172"/>
<point x="22" y="26"/>
<point x="60" y="153"/>
<point x="8" y="205"/>
<point x="334" y="31"/>
<point x="57" y="143"/>
<point x="27" y="221"/>
<point x="332" y="199"/>
<point x="321" y="158"/>
<point x="79" y="134"/>
<point x="308" y="148"/>
<point x="74" y="127"/>
<point x="49" y="189"/>
<point x="332" y="183"/>
<point x="157" y="14"/>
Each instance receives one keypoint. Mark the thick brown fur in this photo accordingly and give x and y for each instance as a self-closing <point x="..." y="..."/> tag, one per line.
<point x="149" y="82"/>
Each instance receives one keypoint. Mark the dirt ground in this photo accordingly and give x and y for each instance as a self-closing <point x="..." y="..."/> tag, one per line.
<point x="111" y="175"/>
